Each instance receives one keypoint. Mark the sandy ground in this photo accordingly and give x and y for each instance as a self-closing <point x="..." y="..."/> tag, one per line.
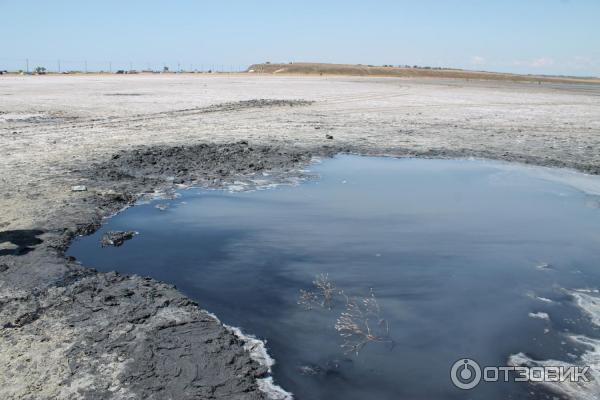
<point x="68" y="332"/>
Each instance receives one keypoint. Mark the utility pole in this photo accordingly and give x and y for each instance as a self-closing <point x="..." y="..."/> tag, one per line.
<point x="59" y="66"/>
<point x="85" y="62"/>
<point x="110" y="67"/>
<point x="27" y="65"/>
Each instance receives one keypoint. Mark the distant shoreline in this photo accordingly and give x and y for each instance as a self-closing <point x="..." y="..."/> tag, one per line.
<point x="409" y="72"/>
<point x="312" y="69"/>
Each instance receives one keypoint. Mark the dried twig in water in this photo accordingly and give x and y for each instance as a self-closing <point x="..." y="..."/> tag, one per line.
<point x="326" y="289"/>
<point x="308" y="299"/>
<point x="322" y="296"/>
<point x="356" y="326"/>
<point x="359" y="324"/>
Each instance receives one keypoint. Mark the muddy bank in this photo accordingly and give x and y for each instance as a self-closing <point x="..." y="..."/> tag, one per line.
<point x="70" y="332"/>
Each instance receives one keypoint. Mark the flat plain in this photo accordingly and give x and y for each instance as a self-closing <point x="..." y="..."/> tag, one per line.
<point x="51" y="125"/>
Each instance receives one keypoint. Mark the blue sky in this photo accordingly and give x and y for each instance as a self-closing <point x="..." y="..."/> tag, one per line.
<point x="526" y="36"/>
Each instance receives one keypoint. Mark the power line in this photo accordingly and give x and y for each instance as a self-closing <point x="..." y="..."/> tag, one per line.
<point x="92" y="65"/>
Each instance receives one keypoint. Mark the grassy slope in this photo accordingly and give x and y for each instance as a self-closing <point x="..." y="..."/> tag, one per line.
<point x="364" y="70"/>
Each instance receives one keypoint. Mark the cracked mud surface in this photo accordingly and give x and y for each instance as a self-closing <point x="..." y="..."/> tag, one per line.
<point x="69" y="332"/>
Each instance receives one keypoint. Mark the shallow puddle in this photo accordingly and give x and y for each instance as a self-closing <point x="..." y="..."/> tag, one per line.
<point x="445" y="259"/>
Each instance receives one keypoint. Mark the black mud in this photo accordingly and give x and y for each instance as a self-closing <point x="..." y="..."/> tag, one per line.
<point x="129" y="334"/>
<point x="23" y="241"/>
<point x="116" y="238"/>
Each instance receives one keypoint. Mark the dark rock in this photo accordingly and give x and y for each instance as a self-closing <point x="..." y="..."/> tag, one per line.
<point x="116" y="238"/>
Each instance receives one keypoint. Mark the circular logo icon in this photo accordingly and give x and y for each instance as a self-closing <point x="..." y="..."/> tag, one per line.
<point x="465" y="374"/>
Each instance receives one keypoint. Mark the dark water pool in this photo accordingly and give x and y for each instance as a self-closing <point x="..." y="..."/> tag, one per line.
<point x="462" y="257"/>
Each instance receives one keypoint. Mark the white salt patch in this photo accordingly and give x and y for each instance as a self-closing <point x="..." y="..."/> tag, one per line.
<point x="260" y="182"/>
<point x="19" y="117"/>
<point x="8" y="246"/>
<point x="589" y="304"/>
<point x="532" y="295"/>
<point x="213" y="316"/>
<point x="258" y="352"/>
<point x="572" y="390"/>
<point x="587" y="290"/>
<point x="588" y="301"/>
<point x="540" y="315"/>
<point x="544" y="299"/>
<point x="273" y="391"/>
<point x="543" y="266"/>
<point x="256" y="347"/>
<point x="585" y="183"/>
<point x="236" y="188"/>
